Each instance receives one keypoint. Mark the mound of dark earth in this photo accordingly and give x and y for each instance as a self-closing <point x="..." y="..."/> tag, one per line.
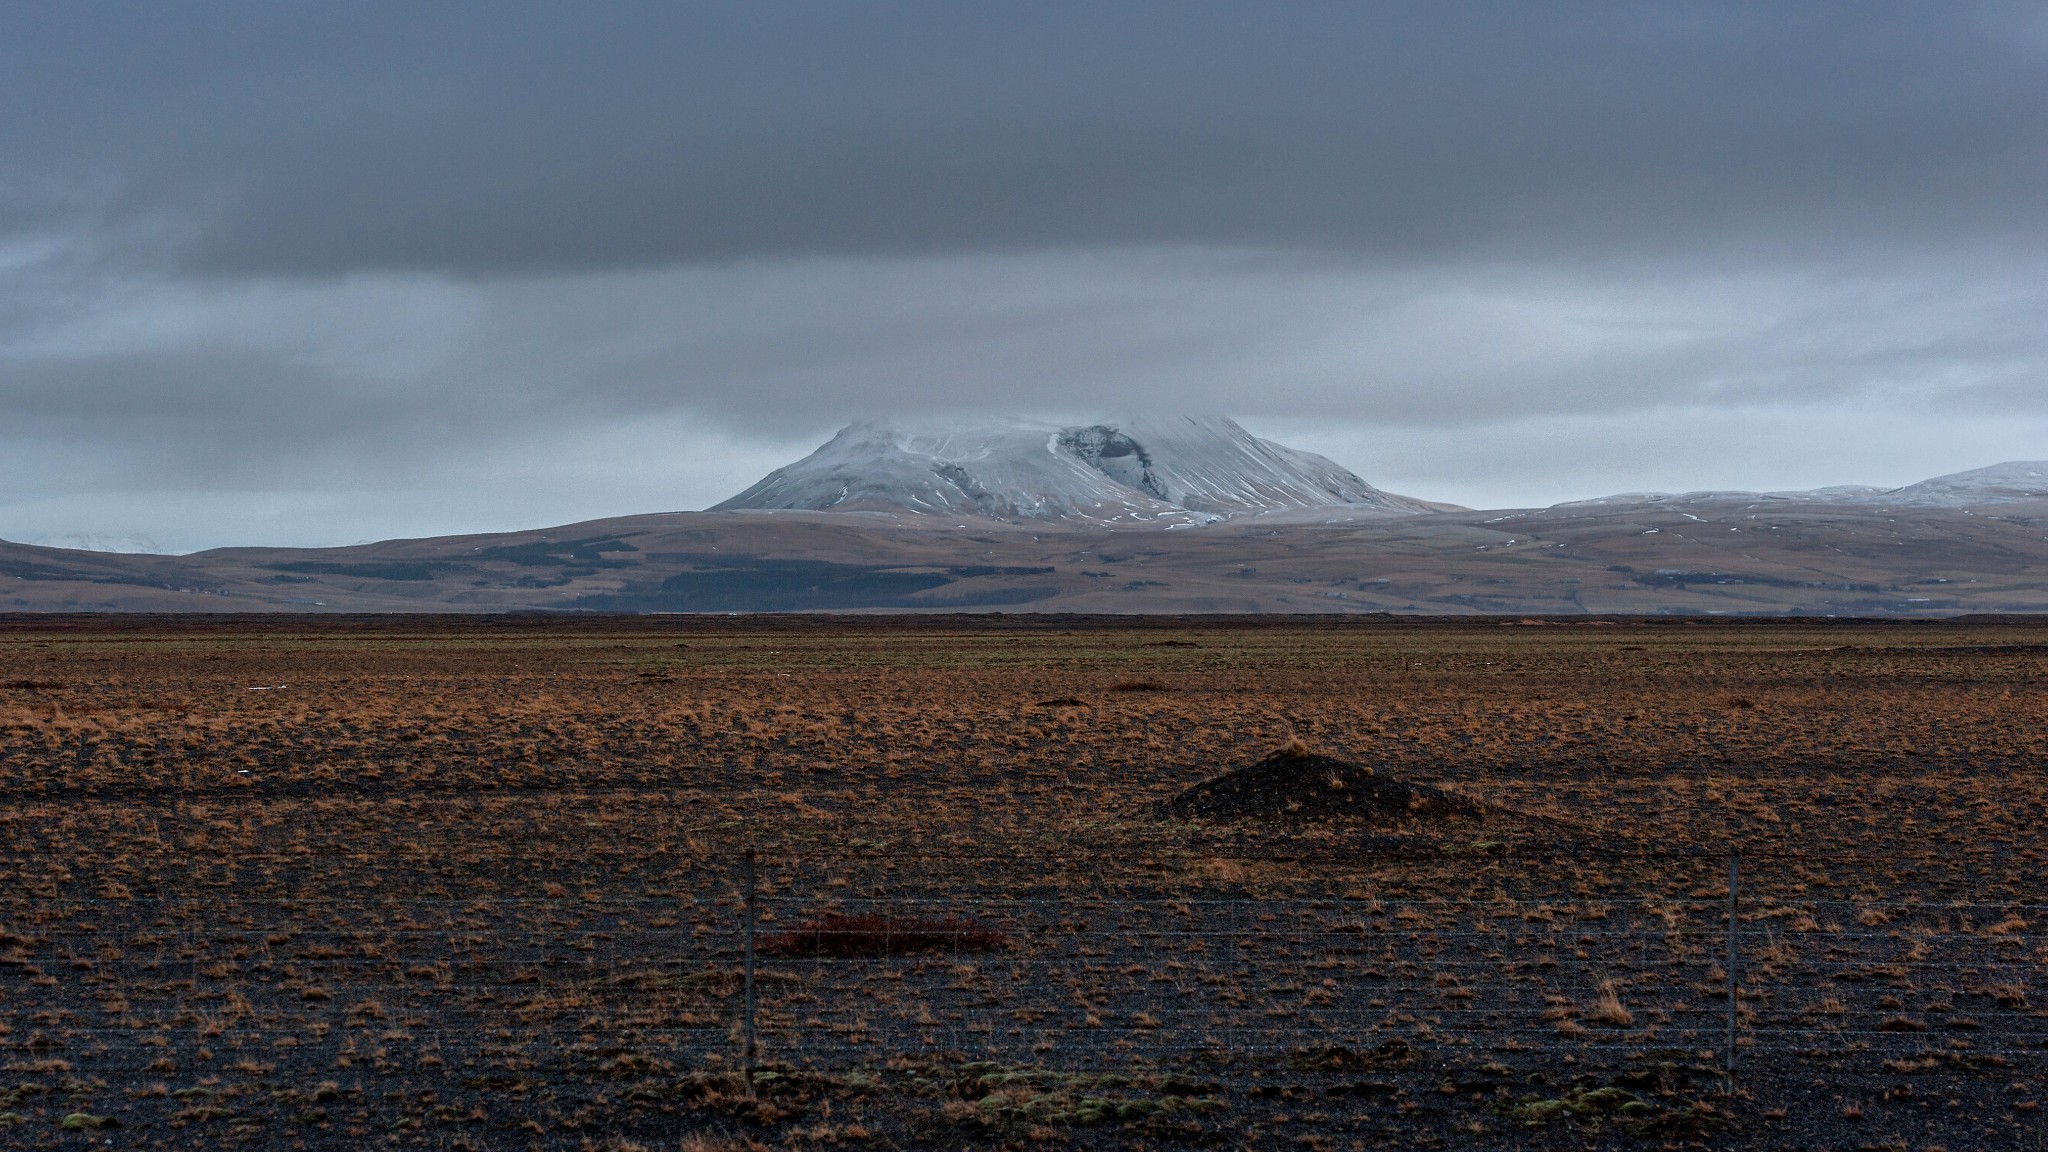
<point x="1297" y="784"/>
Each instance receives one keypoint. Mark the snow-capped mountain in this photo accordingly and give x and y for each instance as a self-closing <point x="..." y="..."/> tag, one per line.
<point x="131" y="542"/>
<point x="2006" y="483"/>
<point x="1164" y="470"/>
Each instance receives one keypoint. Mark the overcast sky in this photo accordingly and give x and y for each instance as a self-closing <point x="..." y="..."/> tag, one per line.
<point x="315" y="273"/>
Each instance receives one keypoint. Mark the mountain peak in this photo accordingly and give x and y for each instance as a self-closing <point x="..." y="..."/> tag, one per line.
<point x="1168" y="471"/>
<point x="2014" y="480"/>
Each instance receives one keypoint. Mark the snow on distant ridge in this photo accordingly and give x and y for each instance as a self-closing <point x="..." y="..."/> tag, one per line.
<point x="1170" y="471"/>
<point x="2006" y="483"/>
<point x="131" y="542"/>
<point x="1834" y="494"/>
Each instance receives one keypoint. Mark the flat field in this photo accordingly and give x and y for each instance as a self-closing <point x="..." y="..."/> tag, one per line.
<point x="478" y="883"/>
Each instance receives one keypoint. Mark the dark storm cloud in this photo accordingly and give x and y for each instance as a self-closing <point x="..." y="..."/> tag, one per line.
<point x="313" y="272"/>
<point x="274" y="138"/>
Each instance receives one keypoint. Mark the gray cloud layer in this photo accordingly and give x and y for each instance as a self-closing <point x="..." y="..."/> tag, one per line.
<point x="266" y="256"/>
<point x="264" y="138"/>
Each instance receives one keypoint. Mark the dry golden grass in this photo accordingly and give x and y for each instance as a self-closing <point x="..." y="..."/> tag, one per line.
<point x="300" y="867"/>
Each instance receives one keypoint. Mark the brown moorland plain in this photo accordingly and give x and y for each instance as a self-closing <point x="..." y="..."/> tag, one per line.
<point x="1699" y="555"/>
<point x="477" y="883"/>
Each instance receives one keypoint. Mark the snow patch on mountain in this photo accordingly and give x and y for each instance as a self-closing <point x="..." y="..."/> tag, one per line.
<point x="133" y="543"/>
<point x="1170" y="471"/>
<point x="2007" y="483"/>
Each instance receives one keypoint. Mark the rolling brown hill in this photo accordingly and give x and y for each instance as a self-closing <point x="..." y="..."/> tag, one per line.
<point x="1704" y="554"/>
